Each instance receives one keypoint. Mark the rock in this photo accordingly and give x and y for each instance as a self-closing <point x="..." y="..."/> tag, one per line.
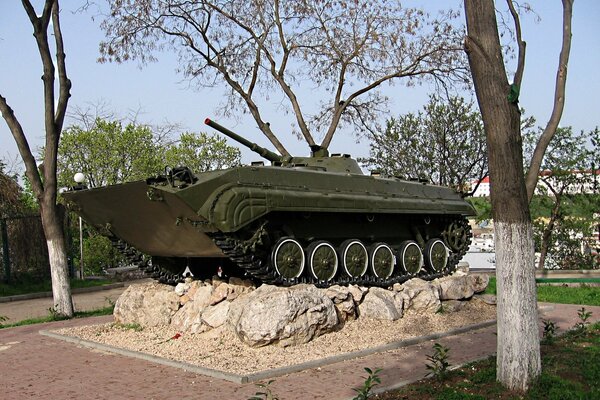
<point x="220" y="293"/>
<point x="189" y="317"/>
<point x="148" y="304"/>
<point x="454" y="287"/>
<point x="486" y="298"/>
<point x="357" y="292"/>
<point x="286" y="316"/>
<point x="338" y="294"/>
<point x="479" y="282"/>
<point x="420" y="295"/>
<point x="181" y="288"/>
<point x="462" y="267"/>
<point x="241" y="282"/>
<point x="381" y="304"/>
<point x="452" y="306"/>
<point x="346" y="310"/>
<point x="215" y="316"/>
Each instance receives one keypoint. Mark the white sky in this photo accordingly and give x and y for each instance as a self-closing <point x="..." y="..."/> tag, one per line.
<point x="158" y="91"/>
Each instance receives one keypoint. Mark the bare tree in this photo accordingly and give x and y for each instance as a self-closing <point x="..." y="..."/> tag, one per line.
<point x="518" y="353"/>
<point x="264" y="49"/>
<point x="43" y="180"/>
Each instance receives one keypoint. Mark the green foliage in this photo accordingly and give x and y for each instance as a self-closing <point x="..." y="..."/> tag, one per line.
<point x="371" y="380"/>
<point x="444" y="143"/>
<point x="581" y="326"/>
<point x="438" y="362"/>
<point x="265" y="392"/>
<point x="108" y="153"/>
<point x="201" y="152"/>
<point x="549" y="333"/>
<point x="98" y="253"/>
<point x="483" y="206"/>
<point x="567" y="198"/>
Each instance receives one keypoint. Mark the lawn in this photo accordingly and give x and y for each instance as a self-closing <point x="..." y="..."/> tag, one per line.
<point x="570" y="370"/>
<point x="585" y="295"/>
<point x="27" y="286"/>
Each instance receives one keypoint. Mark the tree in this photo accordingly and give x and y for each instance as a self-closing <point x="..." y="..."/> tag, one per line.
<point x="445" y="142"/>
<point x="567" y="171"/>
<point x="201" y="152"/>
<point x="518" y="352"/>
<point x="44" y="180"/>
<point x="108" y="153"/>
<point x="264" y="50"/>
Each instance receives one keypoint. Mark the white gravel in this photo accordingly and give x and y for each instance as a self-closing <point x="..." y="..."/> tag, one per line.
<point x="220" y="349"/>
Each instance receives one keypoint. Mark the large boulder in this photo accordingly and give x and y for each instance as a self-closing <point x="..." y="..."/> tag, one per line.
<point x="459" y="287"/>
<point x="147" y="304"/>
<point x="383" y="304"/>
<point x="287" y="316"/>
<point x="420" y="296"/>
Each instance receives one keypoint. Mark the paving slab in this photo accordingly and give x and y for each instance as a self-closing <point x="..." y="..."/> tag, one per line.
<point x="41" y="367"/>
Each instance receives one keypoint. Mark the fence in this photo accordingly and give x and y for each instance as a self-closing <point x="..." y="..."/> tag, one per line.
<point x="24" y="250"/>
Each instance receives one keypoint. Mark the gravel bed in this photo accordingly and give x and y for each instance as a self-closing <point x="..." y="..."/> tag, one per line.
<point x="220" y="349"/>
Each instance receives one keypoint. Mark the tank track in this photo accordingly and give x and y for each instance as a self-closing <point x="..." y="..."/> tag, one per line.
<point x="257" y="265"/>
<point x="134" y="257"/>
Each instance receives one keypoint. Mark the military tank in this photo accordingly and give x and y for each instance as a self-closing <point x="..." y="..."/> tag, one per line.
<point x="314" y="219"/>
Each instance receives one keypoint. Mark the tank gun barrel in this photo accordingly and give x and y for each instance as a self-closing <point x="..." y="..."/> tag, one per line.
<point x="265" y="153"/>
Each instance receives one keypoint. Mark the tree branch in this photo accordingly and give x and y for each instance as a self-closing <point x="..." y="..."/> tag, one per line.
<point x="559" y="102"/>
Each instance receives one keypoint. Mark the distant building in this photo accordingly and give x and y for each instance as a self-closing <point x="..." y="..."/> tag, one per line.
<point x="585" y="186"/>
<point x="483" y="190"/>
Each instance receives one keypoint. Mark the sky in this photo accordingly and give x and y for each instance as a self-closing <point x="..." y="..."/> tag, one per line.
<point x="161" y="95"/>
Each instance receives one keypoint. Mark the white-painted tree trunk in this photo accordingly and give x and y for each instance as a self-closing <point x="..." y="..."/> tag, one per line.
<point x="518" y="331"/>
<point x="61" y="288"/>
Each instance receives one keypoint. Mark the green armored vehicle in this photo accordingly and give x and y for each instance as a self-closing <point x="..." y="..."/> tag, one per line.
<point x="315" y="219"/>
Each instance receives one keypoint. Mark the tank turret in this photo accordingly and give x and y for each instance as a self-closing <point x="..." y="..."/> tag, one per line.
<point x="319" y="159"/>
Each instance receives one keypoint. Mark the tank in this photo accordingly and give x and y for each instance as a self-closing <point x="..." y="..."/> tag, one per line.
<point x="316" y="219"/>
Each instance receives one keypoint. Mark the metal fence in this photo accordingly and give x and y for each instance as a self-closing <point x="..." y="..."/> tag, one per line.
<point x="23" y="249"/>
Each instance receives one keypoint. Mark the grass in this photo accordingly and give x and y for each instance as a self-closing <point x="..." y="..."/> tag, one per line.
<point x="583" y="294"/>
<point x="108" y="310"/>
<point x="570" y="370"/>
<point x="28" y="286"/>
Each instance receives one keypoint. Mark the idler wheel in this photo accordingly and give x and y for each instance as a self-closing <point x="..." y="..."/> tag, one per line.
<point x="457" y="235"/>
<point x="355" y="258"/>
<point x="322" y="260"/>
<point x="410" y="257"/>
<point x="436" y="255"/>
<point x="288" y="258"/>
<point x="382" y="260"/>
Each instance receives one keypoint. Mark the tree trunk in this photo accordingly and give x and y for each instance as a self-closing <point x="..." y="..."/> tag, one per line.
<point x="57" y="250"/>
<point x="518" y="352"/>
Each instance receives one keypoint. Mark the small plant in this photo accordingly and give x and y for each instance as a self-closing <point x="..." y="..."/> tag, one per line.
<point x="438" y="361"/>
<point x="581" y="326"/>
<point x="56" y="316"/>
<point x="266" y="393"/>
<point x="371" y="380"/>
<point x="133" y="326"/>
<point x="2" y="319"/>
<point x="549" y="331"/>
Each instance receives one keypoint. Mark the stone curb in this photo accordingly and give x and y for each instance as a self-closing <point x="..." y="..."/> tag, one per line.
<point x="40" y="295"/>
<point x="258" y="376"/>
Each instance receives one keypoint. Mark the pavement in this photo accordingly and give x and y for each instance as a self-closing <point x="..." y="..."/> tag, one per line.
<point x="41" y="367"/>
<point x="18" y="308"/>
